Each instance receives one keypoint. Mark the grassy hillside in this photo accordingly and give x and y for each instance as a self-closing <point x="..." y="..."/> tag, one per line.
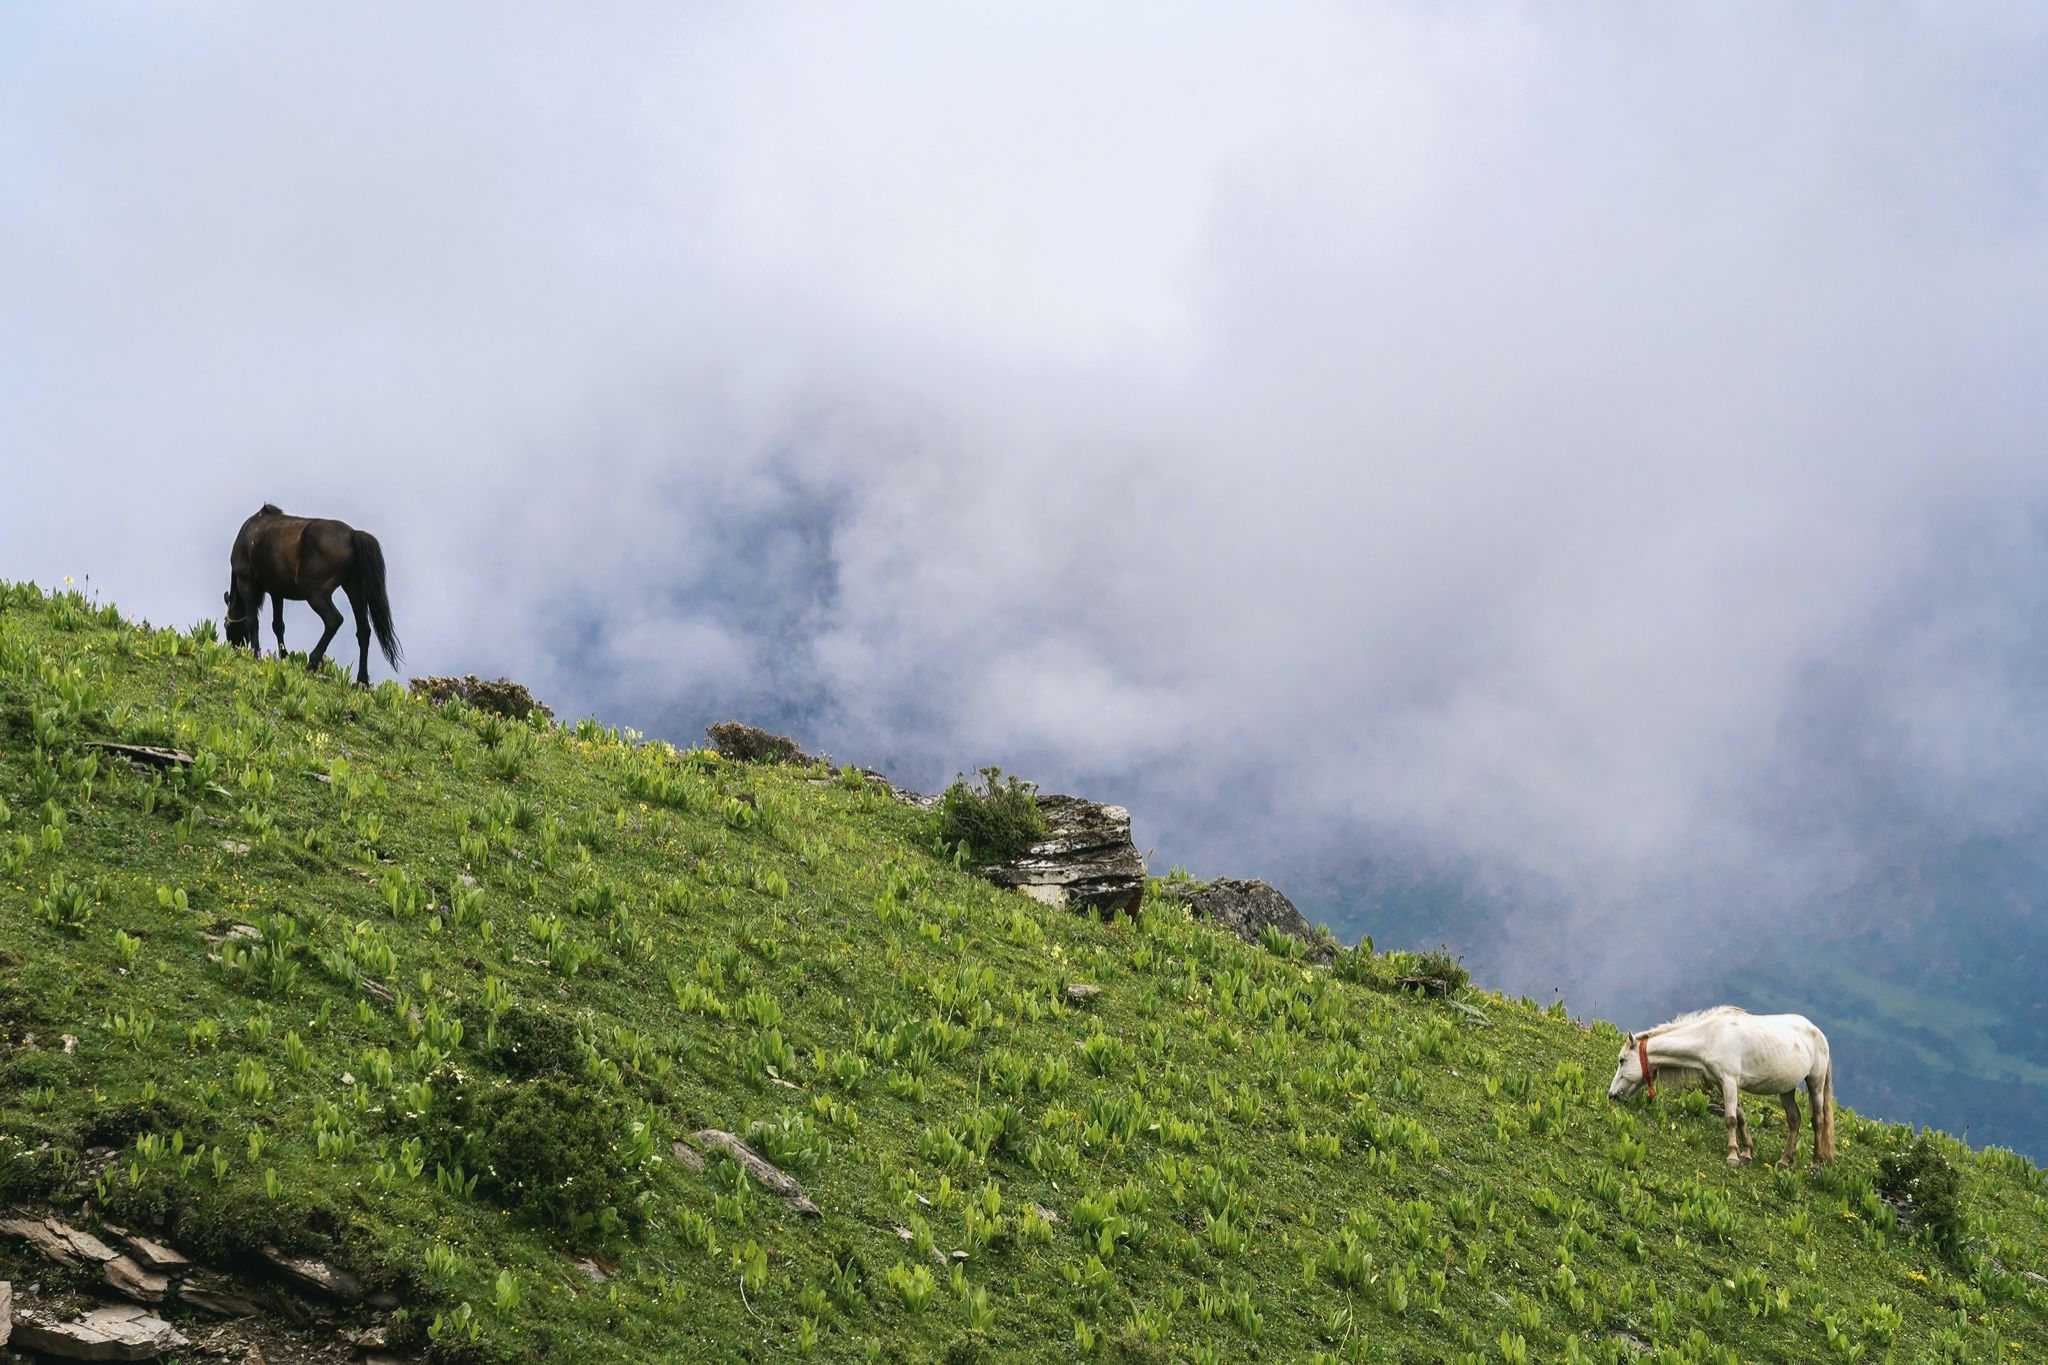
<point x="498" y="969"/>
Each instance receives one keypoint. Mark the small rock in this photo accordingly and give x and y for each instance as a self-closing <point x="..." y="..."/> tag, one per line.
<point x="144" y="755"/>
<point x="314" y="1273"/>
<point x="6" y="1311"/>
<point x="383" y="1300"/>
<point x="1080" y="992"/>
<point x="244" y="931"/>
<point x="127" y="1278"/>
<point x="218" y="1297"/>
<point x="774" y="1180"/>
<point x="903" y="1232"/>
<point x="590" y="1270"/>
<point x="1047" y="1214"/>
<point x="123" y="1332"/>
<point x="371" y="1338"/>
<point x="70" y="1041"/>
<point x="688" y="1155"/>
<point x="60" y="1242"/>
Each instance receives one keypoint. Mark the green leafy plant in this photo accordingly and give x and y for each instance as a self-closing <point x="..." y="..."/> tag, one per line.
<point x="1921" y="1176"/>
<point x="996" y="820"/>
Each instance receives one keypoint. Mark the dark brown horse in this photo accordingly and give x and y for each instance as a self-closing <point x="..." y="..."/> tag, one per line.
<point x="306" y="559"/>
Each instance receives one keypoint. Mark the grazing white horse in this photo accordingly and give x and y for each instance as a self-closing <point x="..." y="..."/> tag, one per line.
<point x="1765" y="1054"/>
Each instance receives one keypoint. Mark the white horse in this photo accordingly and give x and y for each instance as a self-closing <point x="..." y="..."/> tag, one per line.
<point x="1765" y="1054"/>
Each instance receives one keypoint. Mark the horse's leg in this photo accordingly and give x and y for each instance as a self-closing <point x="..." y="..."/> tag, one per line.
<point x="1731" y="1114"/>
<point x="330" y="616"/>
<point x="360" y="608"/>
<point x="277" y="620"/>
<point x="1790" y="1099"/>
<point x="1742" y="1131"/>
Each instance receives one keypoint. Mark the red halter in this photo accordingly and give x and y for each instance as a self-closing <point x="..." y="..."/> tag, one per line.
<point x="1643" y="1056"/>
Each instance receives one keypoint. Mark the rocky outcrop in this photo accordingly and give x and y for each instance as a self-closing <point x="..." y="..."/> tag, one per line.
<point x="746" y="744"/>
<point x="117" y="1332"/>
<point x="214" y="1294"/>
<point x="310" y="1272"/>
<point x="1085" y="859"/>
<point x="503" y="697"/>
<point x="59" y="1241"/>
<point x="1247" y="907"/>
<point x="126" y="1277"/>
<point x="152" y="1254"/>
<point x="150" y="1273"/>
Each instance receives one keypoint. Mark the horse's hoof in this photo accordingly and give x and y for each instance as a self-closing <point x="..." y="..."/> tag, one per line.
<point x="1734" y="1160"/>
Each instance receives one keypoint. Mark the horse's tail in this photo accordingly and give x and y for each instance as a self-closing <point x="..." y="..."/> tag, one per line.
<point x="368" y="573"/>
<point x="1821" y="1097"/>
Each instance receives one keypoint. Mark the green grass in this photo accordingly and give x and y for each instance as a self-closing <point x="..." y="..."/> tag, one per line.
<point x="581" y="949"/>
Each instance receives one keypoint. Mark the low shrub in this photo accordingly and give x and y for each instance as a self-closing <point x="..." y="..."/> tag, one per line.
<point x="35" y="1163"/>
<point x="530" y="1042"/>
<point x="997" y="820"/>
<point x="548" y="1151"/>
<point x="1437" y="971"/>
<point x="1921" y="1176"/>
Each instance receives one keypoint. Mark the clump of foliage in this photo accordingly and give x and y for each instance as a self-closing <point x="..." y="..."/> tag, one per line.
<point x="996" y="820"/>
<point x="32" y="1166"/>
<point x="546" y="1149"/>
<point x="532" y="1042"/>
<point x="1437" y="971"/>
<point x="1921" y="1176"/>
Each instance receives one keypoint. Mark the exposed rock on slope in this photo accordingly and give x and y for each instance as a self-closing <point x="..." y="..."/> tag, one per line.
<point x="116" y="1332"/>
<point x="747" y="744"/>
<point x="505" y="697"/>
<point x="1247" y="907"/>
<point x="1086" y="858"/>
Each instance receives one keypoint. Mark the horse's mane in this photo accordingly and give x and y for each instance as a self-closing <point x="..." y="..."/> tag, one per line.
<point x="270" y="509"/>
<point x="1692" y="1018"/>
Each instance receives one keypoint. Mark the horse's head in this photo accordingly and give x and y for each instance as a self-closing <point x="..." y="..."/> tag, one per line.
<point x="1628" y="1073"/>
<point x="241" y="618"/>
